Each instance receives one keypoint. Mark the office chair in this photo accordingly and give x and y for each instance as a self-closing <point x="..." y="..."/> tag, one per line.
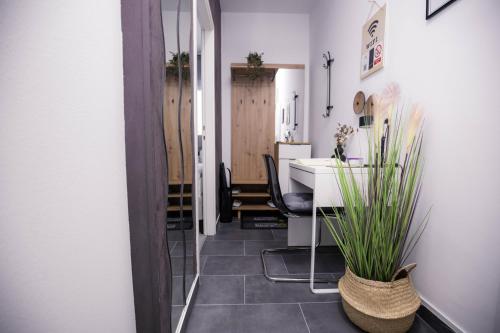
<point x="291" y="205"/>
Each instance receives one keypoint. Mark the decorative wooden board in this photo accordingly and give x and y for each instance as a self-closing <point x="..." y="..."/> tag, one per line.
<point x="252" y="129"/>
<point x="171" y="133"/>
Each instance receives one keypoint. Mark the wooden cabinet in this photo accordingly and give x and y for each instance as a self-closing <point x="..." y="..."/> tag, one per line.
<point x="252" y="128"/>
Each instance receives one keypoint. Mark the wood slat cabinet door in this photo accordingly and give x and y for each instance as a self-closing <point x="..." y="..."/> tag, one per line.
<point x="171" y="133"/>
<point x="252" y="129"/>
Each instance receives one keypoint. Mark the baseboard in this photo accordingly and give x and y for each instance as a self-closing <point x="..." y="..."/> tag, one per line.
<point x="436" y="319"/>
<point x="190" y="304"/>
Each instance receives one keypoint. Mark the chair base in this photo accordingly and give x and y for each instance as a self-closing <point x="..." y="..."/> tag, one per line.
<point x="290" y="279"/>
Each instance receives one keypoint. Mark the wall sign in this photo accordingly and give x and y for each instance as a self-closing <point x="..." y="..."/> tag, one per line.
<point x="435" y="6"/>
<point x="372" y="48"/>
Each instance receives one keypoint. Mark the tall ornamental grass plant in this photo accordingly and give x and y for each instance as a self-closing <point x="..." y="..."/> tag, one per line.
<point x="376" y="231"/>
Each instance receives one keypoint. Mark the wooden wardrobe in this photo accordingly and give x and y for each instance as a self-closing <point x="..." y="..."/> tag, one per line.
<point x="252" y="127"/>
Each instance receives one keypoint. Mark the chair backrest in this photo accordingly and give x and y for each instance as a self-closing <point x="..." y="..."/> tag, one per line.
<point x="274" y="185"/>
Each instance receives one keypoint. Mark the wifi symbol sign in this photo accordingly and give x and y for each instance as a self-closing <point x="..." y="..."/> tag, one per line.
<point x="372" y="28"/>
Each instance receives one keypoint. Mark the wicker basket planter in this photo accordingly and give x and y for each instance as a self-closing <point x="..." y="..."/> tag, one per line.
<point x="380" y="307"/>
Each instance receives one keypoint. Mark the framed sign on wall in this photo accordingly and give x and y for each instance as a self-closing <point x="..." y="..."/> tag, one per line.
<point x="372" y="48"/>
<point x="433" y="7"/>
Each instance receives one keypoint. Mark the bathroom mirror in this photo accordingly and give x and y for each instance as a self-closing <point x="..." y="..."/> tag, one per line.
<point x="290" y="91"/>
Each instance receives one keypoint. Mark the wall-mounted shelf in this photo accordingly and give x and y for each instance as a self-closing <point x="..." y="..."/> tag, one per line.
<point x="178" y="195"/>
<point x="296" y="143"/>
<point x="252" y="208"/>
<point x="243" y="73"/>
<point x="240" y="70"/>
<point x="178" y="208"/>
<point x="249" y="182"/>
<point x="251" y="195"/>
<point x="273" y="66"/>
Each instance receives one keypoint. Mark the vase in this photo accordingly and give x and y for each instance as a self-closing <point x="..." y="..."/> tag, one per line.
<point x="380" y="307"/>
<point x="339" y="153"/>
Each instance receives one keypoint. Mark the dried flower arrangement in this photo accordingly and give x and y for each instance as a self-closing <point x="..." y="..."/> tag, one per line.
<point x="344" y="133"/>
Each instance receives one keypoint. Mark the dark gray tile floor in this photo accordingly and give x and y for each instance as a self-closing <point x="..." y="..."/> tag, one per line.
<point x="235" y="297"/>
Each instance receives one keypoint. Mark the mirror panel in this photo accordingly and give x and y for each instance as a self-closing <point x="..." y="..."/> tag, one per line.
<point x="179" y="135"/>
<point x="290" y="91"/>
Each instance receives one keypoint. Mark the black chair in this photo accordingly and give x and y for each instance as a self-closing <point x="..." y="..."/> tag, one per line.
<point x="292" y="205"/>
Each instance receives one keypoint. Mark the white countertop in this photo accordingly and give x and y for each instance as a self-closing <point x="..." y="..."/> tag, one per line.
<point x="322" y="166"/>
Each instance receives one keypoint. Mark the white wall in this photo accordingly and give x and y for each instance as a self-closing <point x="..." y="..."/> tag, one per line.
<point x="284" y="39"/>
<point x="64" y="236"/>
<point x="450" y="64"/>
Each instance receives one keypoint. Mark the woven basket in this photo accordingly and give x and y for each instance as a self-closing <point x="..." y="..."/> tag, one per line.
<point x="380" y="307"/>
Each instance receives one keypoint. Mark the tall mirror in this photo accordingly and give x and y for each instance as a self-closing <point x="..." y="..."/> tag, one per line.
<point x="290" y="90"/>
<point x="180" y="128"/>
<point x="200" y="135"/>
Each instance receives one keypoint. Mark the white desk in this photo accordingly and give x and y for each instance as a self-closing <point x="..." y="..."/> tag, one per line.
<point x="322" y="181"/>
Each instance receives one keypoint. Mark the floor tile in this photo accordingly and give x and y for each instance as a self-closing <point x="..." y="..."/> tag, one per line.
<point x="254" y="247"/>
<point x="177" y="265"/>
<point x="420" y="326"/>
<point x="232" y="225"/>
<point x="327" y="317"/>
<point x="260" y="290"/>
<point x="242" y="265"/>
<point x="221" y="290"/>
<point x="177" y="291"/>
<point x="189" y="282"/>
<point x="330" y="317"/>
<point x="176" y="235"/>
<point x="325" y="263"/>
<point x="247" y="319"/>
<point x="177" y="251"/>
<point x="426" y="317"/>
<point x="177" y="296"/>
<point x="240" y="234"/>
<point x="176" y="315"/>
<point x="203" y="261"/>
<point x="223" y="248"/>
<point x="280" y="234"/>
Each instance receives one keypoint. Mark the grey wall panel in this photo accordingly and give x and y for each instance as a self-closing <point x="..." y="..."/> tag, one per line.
<point x="144" y="72"/>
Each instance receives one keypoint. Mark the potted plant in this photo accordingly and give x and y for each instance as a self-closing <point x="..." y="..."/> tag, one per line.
<point x="377" y="231"/>
<point x="173" y="65"/>
<point x="343" y="134"/>
<point x="254" y="65"/>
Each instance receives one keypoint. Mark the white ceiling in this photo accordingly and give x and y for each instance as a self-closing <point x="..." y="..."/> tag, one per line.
<point x="267" y="6"/>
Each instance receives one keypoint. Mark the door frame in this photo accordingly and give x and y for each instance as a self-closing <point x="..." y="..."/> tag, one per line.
<point x="209" y="145"/>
